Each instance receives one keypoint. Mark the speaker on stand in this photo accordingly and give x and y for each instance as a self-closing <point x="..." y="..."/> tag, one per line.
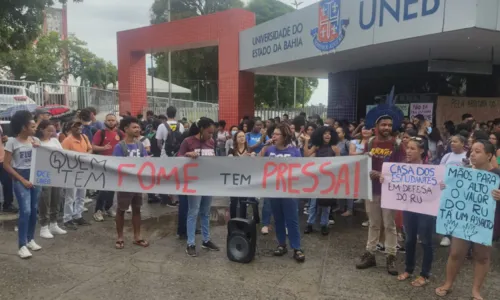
<point x="242" y="238"/>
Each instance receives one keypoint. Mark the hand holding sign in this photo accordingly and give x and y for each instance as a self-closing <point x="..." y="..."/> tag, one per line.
<point x="468" y="202"/>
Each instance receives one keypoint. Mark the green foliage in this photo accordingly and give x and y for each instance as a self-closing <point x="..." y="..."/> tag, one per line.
<point x="37" y="63"/>
<point x="21" y="22"/>
<point x="197" y="69"/>
<point x="83" y="64"/>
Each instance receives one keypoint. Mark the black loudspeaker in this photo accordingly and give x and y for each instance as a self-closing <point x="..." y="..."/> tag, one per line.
<point x="241" y="240"/>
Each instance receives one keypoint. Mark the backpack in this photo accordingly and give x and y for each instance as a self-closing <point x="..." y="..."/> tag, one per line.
<point x="174" y="139"/>
<point x="88" y="131"/>
<point x="103" y="135"/>
<point x="125" y="150"/>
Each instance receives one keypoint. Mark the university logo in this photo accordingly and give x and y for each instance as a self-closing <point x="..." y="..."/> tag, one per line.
<point x="331" y="29"/>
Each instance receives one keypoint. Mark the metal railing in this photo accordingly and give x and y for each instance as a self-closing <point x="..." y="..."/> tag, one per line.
<point x="15" y="92"/>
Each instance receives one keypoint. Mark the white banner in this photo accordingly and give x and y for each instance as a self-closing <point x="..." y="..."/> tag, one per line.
<point x="342" y="177"/>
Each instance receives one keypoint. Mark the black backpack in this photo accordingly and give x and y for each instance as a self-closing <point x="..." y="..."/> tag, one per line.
<point x="174" y="140"/>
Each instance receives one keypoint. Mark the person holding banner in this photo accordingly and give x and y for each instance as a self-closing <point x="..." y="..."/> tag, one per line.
<point x="285" y="210"/>
<point x="382" y="148"/>
<point x="481" y="154"/>
<point x="324" y="141"/>
<point x="50" y="198"/>
<point x="417" y="224"/>
<point x="74" y="199"/>
<point x="129" y="147"/>
<point x="199" y="143"/>
<point x="17" y="162"/>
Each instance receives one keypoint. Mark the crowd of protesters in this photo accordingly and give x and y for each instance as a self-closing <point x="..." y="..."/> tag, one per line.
<point x="415" y="141"/>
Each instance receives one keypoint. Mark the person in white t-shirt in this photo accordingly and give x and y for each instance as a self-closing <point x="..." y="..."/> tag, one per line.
<point x="162" y="131"/>
<point x="456" y="157"/>
<point x="50" y="199"/>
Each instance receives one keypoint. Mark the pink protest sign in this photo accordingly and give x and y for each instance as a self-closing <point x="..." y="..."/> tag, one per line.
<point x="410" y="187"/>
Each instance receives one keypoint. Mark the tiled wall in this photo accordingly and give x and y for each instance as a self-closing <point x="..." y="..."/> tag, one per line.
<point x="343" y="95"/>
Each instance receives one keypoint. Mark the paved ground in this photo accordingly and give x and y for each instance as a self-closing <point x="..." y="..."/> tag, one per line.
<point x="85" y="265"/>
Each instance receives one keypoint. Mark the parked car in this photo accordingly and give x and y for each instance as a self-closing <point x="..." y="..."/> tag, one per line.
<point x="11" y="95"/>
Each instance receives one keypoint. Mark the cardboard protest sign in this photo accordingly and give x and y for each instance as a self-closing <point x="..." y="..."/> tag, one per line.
<point x="467" y="209"/>
<point x="410" y="187"/>
<point x="342" y="177"/>
<point x="425" y="109"/>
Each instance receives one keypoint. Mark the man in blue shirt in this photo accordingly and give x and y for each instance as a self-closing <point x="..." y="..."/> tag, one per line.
<point x="129" y="147"/>
<point x="256" y="137"/>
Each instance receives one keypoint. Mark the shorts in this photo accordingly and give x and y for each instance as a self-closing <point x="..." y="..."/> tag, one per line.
<point x="124" y="200"/>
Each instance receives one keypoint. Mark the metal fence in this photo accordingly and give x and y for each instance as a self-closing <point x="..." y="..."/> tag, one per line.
<point x="15" y="92"/>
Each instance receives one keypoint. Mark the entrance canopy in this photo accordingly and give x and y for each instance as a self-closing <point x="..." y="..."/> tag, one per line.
<point x="340" y="35"/>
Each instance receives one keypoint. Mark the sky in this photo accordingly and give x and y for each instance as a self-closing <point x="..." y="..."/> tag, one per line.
<point x="97" y="21"/>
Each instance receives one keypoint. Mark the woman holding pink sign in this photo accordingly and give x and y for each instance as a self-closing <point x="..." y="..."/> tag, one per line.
<point x="416" y="224"/>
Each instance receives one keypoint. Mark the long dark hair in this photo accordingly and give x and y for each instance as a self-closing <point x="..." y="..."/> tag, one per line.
<point x="317" y="136"/>
<point x="286" y="132"/>
<point x="42" y="126"/>
<point x="235" y="143"/>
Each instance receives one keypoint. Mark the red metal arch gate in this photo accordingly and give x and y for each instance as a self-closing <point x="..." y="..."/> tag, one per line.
<point x="236" y="89"/>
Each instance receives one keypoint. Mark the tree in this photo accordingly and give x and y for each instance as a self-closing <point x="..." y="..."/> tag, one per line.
<point x="22" y="22"/>
<point x="41" y="62"/>
<point x="86" y="66"/>
<point x="197" y="69"/>
<point x="265" y="86"/>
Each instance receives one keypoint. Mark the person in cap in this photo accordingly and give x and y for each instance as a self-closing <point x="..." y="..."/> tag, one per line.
<point x="382" y="148"/>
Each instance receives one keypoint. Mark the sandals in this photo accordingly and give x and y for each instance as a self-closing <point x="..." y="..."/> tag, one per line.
<point x="141" y="243"/>
<point x="404" y="276"/>
<point x="298" y="255"/>
<point x="420" y="281"/>
<point x="280" y="251"/>
<point x="442" y="292"/>
<point x="119" y="245"/>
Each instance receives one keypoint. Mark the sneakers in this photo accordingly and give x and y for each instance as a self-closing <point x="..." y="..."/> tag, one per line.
<point x="98" y="216"/>
<point x="129" y="210"/>
<point x="85" y="209"/>
<point x="70" y="225"/>
<point x="56" y="230"/>
<point x="400" y="249"/>
<point x="24" y="253"/>
<point x="380" y="248"/>
<point x="191" y="251"/>
<point x="210" y="246"/>
<point x="367" y="261"/>
<point x="168" y="201"/>
<point x="45" y="232"/>
<point x="87" y="200"/>
<point x="110" y="213"/>
<point x="445" y="242"/>
<point x="309" y="229"/>
<point x="10" y="210"/>
<point x="365" y="224"/>
<point x="33" y="246"/>
<point x="325" y="230"/>
<point x="391" y="265"/>
<point x="81" y="222"/>
<point x="264" y="230"/>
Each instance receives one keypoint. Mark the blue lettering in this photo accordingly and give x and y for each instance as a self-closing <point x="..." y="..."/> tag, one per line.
<point x="407" y="16"/>
<point x="361" y="15"/>
<point x="394" y="12"/>
<point x="409" y="11"/>
<point x="425" y="9"/>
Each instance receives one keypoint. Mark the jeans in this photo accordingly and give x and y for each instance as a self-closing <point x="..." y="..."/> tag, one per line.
<point x="73" y="204"/>
<point x="28" y="204"/>
<point x="286" y="214"/>
<point x="48" y="207"/>
<point x="347" y="202"/>
<point x="104" y="201"/>
<point x="423" y="226"/>
<point x="266" y="212"/>
<point x="220" y="151"/>
<point x="325" y="213"/>
<point x="8" y="193"/>
<point x="198" y="205"/>
<point x="182" y="215"/>
<point x="379" y="216"/>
